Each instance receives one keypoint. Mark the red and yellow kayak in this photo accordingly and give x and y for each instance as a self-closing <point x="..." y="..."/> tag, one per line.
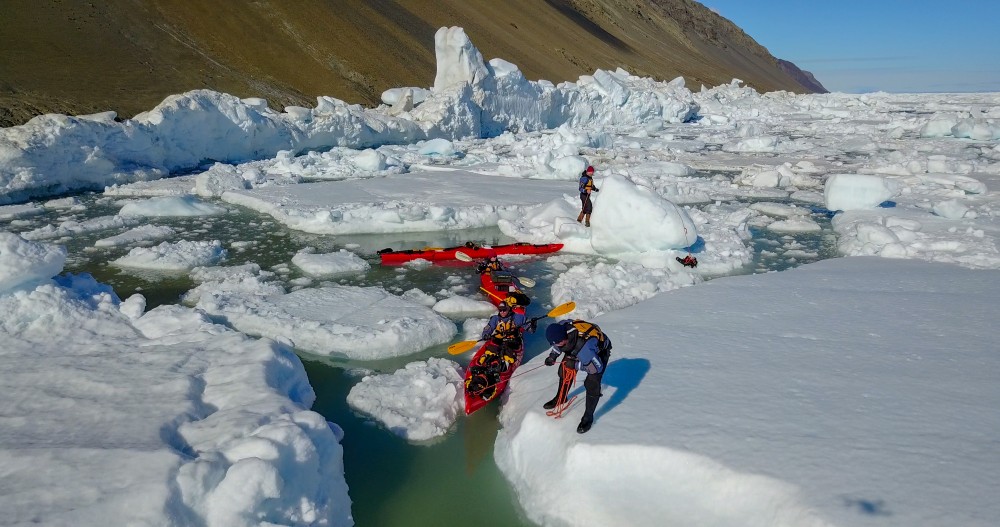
<point x="438" y="254"/>
<point x="482" y="387"/>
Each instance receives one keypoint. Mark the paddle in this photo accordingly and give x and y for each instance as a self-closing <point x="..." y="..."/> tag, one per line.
<point x="459" y="348"/>
<point x="525" y="281"/>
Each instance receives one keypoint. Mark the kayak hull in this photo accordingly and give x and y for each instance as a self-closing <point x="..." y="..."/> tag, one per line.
<point x="475" y="252"/>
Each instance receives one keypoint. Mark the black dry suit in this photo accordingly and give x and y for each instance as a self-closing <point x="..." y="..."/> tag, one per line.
<point x="587" y="349"/>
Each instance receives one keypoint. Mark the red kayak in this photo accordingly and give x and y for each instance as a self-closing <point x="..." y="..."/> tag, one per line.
<point x="438" y="254"/>
<point x="497" y="285"/>
<point x="483" y="384"/>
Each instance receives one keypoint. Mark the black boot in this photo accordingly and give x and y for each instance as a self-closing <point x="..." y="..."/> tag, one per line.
<point x="588" y="414"/>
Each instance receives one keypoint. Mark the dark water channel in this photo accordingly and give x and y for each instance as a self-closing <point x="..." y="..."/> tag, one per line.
<point x="452" y="481"/>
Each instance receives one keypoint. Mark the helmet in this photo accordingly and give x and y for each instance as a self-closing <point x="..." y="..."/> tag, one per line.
<point x="555" y="333"/>
<point x="590" y="169"/>
<point x="510" y="301"/>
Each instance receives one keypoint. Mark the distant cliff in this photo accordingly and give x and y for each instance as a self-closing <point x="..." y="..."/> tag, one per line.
<point x="127" y="55"/>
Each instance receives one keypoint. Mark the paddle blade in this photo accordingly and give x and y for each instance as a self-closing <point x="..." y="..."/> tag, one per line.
<point x="561" y="309"/>
<point x="525" y="281"/>
<point x="459" y="255"/>
<point x="459" y="348"/>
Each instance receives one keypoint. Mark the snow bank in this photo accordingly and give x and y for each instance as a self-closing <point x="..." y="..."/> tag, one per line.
<point x="858" y="191"/>
<point x="160" y="418"/>
<point x="719" y="399"/>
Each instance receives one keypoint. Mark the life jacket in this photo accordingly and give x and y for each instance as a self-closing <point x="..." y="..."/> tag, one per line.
<point x="506" y="328"/>
<point x="586" y="330"/>
<point x="587" y="185"/>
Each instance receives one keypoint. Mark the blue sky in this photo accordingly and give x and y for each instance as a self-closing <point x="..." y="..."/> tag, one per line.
<point x="860" y="46"/>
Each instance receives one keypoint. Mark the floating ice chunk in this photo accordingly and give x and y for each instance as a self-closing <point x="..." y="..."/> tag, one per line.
<point x="938" y="126"/>
<point x="171" y="206"/>
<point x="801" y="224"/>
<point x="602" y="288"/>
<point x="9" y="212"/>
<point x="950" y="209"/>
<point x="441" y="147"/>
<point x="978" y="129"/>
<point x="217" y="180"/>
<point x="136" y="235"/>
<point x="24" y="263"/>
<point x="778" y="209"/>
<point x="629" y="218"/>
<point x="178" y="256"/>
<point x="420" y="297"/>
<point x="64" y="203"/>
<point x="568" y="167"/>
<point x="363" y="323"/>
<point x="764" y="143"/>
<point x="73" y="227"/>
<point x="462" y="306"/>
<point x="133" y="306"/>
<point x="418" y="403"/>
<point x="369" y="160"/>
<point x="858" y="191"/>
<point x="330" y="264"/>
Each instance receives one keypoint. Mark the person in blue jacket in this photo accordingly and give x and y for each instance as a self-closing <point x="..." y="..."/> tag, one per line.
<point x="503" y="333"/>
<point x="585" y="348"/>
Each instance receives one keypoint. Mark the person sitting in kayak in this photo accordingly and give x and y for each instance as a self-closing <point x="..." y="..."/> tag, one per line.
<point x="503" y="334"/>
<point x="491" y="264"/>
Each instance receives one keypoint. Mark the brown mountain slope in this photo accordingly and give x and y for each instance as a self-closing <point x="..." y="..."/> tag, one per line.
<point x="79" y="57"/>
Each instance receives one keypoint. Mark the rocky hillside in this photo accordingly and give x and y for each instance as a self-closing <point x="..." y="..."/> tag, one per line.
<point x="127" y="55"/>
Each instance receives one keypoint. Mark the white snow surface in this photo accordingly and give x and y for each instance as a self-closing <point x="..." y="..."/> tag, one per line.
<point x="855" y="391"/>
<point x="164" y="419"/>
<point x="463" y="306"/>
<point x="419" y="402"/>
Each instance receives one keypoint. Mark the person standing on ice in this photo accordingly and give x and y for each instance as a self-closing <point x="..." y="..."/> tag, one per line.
<point x="586" y="348"/>
<point x="586" y="187"/>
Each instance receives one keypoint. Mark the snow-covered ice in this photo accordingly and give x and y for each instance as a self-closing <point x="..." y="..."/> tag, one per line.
<point x="418" y="402"/>
<point x="363" y="323"/>
<point x="173" y="256"/>
<point x="855" y="391"/>
<point x="330" y="264"/>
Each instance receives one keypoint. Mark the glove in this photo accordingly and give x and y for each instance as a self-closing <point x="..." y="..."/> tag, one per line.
<point x="550" y="360"/>
<point x="532" y="326"/>
<point x="596" y="189"/>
